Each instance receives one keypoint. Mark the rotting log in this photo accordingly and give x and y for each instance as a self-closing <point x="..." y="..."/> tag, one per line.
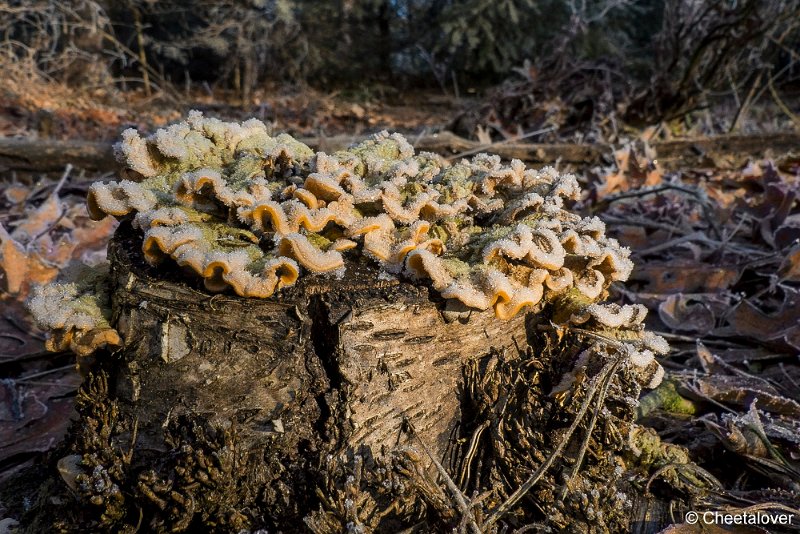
<point x="712" y="151"/>
<point x="51" y="156"/>
<point x="48" y="155"/>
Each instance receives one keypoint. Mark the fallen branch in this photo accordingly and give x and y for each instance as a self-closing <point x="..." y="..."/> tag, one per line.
<point x="45" y="155"/>
<point x="51" y="155"/>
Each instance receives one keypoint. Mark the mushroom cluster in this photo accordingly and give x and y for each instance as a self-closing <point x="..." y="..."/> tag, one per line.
<point x="250" y="212"/>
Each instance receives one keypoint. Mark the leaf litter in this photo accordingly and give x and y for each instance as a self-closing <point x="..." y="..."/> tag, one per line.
<point x="43" y="227"/>
<point x="717" y="255"/>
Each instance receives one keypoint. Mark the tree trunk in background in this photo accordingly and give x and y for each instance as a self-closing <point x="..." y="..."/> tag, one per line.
<point x="385" y="35"/>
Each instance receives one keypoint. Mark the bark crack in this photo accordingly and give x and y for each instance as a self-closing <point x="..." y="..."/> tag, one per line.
<point x="325" y="339"/>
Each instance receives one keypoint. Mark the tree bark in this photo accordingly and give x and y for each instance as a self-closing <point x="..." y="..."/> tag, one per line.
<point x="353" y="357"/>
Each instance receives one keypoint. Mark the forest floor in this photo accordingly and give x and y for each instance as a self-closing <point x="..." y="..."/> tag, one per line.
<point x="716" y="243"/>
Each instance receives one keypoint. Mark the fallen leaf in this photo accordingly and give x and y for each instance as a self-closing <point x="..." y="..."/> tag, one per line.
<point x="632" y="236"/>
<point x="685" y="277"/>
<point x="13" y="262"/>
<point x="783" y="326"/>
<point x="38" y="221"/>
<point x="790" y="266"/>
<point x="686" y="314"/>
<point x="33" y="419"/>
<point x="16" y="194"/>
<point x="741" y="390"/>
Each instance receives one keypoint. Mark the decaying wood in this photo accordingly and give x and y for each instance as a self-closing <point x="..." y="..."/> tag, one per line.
<point x="269" y="387"/>
<point x="381" y="347"/>
<point x="50" y="155"/>
<point x="374" y="351"/>
<point x="713" y="150"/>
<point x="46" y="155"/>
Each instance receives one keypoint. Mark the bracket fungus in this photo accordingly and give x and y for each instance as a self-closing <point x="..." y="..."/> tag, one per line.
<point x="76" y="311"/>
<point x="250" y="212"/>
<point x="246" y="211"/>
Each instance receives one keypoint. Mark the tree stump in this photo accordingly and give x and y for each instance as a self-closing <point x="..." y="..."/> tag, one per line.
<point x="325" y="367"/>
<point x="330" y="405"/>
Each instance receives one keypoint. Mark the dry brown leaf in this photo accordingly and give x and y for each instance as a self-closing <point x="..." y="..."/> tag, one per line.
<point x="681" y="276"/>
<point x="38" y="221"/>
<point x="783" y="326"/>
<point x="25" y="268"/>
<point x="632" y="236"/>
<point x="741" y="390"/>
<point x="13" y="262"/>
<point x="707" y="359"/>
<point x="92" y="235"/>
<point x="16" y="193"/>
<point x="789" y="270"/>
<point x="686" y="314"/>
<point x="34" y="416"/>
<point x="773" y="206"/>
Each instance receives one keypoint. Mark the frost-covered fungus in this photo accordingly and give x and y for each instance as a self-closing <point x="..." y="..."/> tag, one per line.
<point x="76" y="310"/>
<point x="625" y="324"/>
<point x="251" y="212"/>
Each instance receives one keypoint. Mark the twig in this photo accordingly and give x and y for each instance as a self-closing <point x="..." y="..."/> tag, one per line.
<point x="671" y="243"/>
<point x="601" y="396"/>
<point x="789" y="377"/>
<point x="691" y="467"/>
<point x="499" y="143"/>
<point x="464" y="508"/>
<point x="740" y="112"/>
<point x="137" y="19"/>
<point x="48" y="372"/>
<point x="63" y="180"/>
<point x="644" y="192"/>
<point x="781" y="104"/>
<point x="473" y="444"/>
<point x="22" y="327"/>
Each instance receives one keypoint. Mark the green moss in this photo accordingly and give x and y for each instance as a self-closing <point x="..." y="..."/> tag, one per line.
<point x="565" y="304"/>
<point x="667" y="398"/>
<point x="319" y="241"/>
